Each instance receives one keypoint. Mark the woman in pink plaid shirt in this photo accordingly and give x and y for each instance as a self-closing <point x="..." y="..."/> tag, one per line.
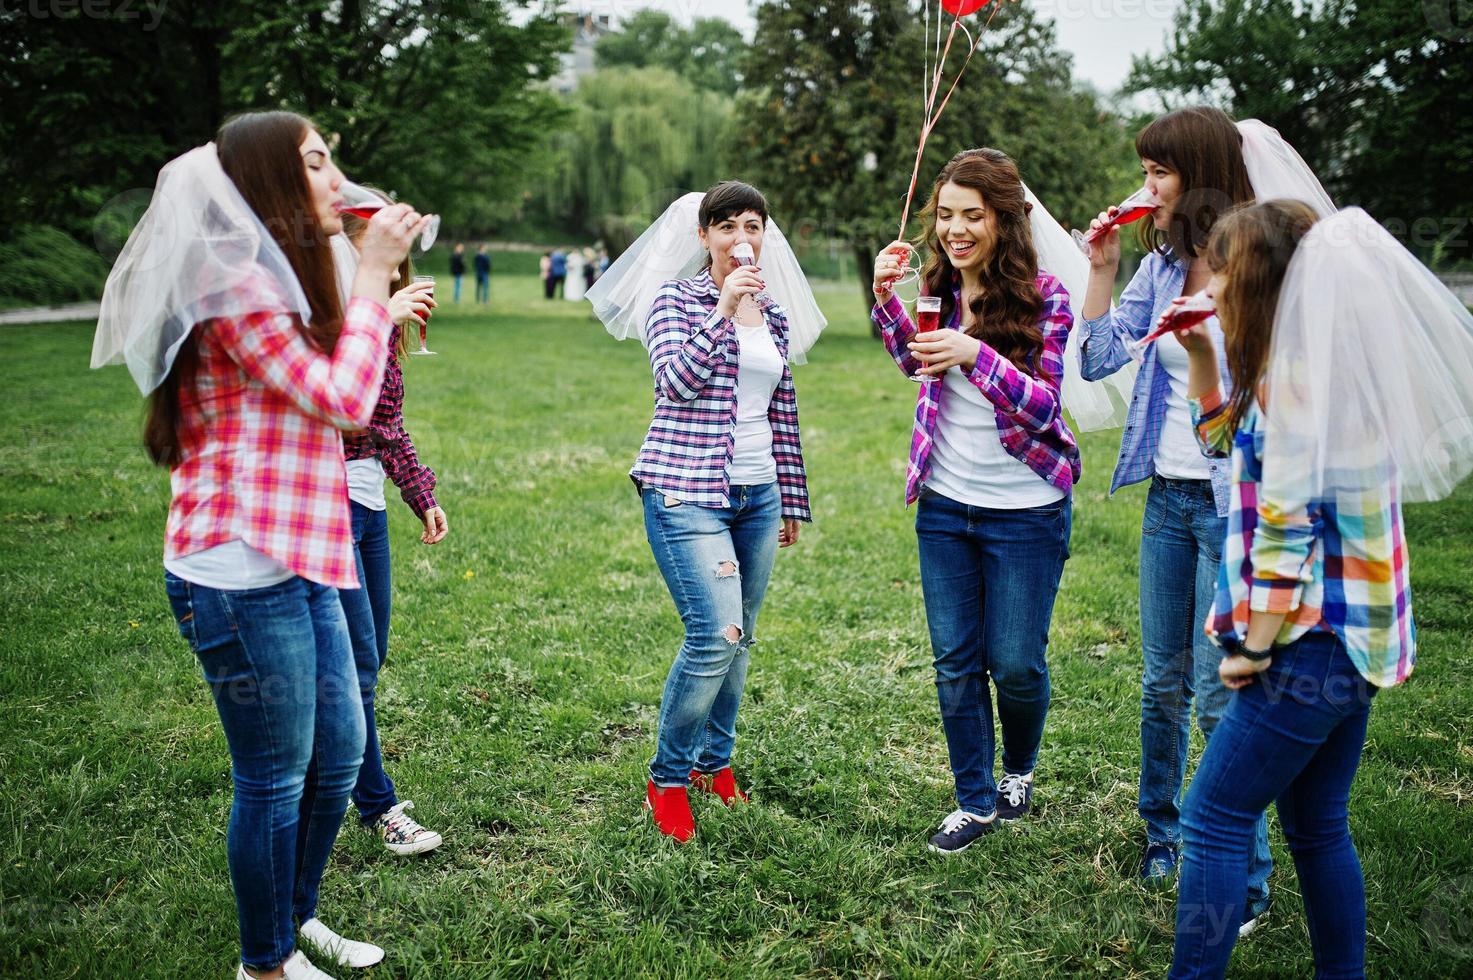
<point x="247" y="419"/>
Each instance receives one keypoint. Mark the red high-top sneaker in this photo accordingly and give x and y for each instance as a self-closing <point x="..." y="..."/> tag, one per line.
<point x="670" y="806"/>
<point x="722" y="783"/>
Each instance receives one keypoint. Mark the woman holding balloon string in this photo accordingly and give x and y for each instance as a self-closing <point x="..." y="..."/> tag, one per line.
<point x="1197" y="165"/>
<point x="993" y="465"/>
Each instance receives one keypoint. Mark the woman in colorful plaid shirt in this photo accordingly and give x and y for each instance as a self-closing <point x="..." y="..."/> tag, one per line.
<point x="1313" y="610"/>
<point x="993" y="465"/>
<point x="259" y="538"/>
<point x="722" y="479"/>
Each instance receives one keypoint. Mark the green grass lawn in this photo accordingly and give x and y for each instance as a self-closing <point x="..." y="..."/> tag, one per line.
<point x="518" y="709"/>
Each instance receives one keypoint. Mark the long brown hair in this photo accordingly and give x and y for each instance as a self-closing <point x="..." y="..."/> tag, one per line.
<point x="1005" y="315"/>
<point x="1251" y="248"/>
<point x="261" y="154"/>
<point x="354" y="227"/>
<point x="1204" y="147"/>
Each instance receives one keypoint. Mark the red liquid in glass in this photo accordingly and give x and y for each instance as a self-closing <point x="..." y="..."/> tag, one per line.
<point x="1132" y="209"/>
<point x="928" y="320"/>
<point x="364" y="211"/>
<point x="1180" y="318"/>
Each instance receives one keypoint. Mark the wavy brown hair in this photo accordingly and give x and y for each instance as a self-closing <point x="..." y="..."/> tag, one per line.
<point x="261" y="154"/>
<point x="1251" y="249"/>
<point x="1204" y="147"/>
<point x="1005" y="314"/>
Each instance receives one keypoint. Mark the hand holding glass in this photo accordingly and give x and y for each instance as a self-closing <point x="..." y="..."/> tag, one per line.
<point x="363" y="203"/>
<point x="424" y="325"/>
<point x="928" y="318"/>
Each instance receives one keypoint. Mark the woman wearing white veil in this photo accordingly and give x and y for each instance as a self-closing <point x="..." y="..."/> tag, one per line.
<point x="721" y="471"/>
<point x="252" y="366"/>
<point x="1199" y="165"/>
<point x="1352" y="370"/>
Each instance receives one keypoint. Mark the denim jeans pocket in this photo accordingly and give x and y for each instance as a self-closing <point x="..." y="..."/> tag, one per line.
<point x="181" y="601"/>
<point x="1157" y="508"/>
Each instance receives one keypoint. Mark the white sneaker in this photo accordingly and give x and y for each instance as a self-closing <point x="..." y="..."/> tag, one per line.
<point x="296" y="967"/>
<point x="402" y="834"/>
<point x="343" y="952"/>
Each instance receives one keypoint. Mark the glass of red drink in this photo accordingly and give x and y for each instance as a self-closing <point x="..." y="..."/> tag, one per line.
<point x="928" y="318"/>
<point x="363" y="203"/>
<point x="1132" y="209"/>
<point x="1195" y="309"/>
<point x="424" y="325"/>
<point x="743" y="255"/>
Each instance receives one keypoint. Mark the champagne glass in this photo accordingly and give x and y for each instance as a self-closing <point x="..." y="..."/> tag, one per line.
<point x="1197" y="308"/>
<point x="928" y="318"/>
<point x="424" y="325"/>
<point x="743" y="255"/>
<point x="363" y="203"/>
<point x="1132" y="209"/>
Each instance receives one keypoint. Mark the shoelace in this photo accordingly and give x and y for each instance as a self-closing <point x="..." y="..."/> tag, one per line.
<point x="1014" y="788"/>
<point x="956" y="820"/>
<point x="402" y="823"/>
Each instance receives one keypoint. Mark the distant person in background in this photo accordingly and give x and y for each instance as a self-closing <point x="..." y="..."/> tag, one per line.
<point x="483" y="276"/>
<point x="603" y="261"/>
<point x="590" y="268"/>
<point x="546" y="268"/>
<point x="558" y="274"/>
<point x="457" y="267"/>
<point x="574" y="281"/>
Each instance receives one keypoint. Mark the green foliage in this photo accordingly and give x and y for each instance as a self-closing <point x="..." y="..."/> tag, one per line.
<point x="639" y="138"/>
<point x="1377" y="96"/>
<point x="833" y="112"/>
<point x="41" y="265"/>
<point x="519" y="707"/>
<point x="708" y="54"/>
<point x="439" y="100"/>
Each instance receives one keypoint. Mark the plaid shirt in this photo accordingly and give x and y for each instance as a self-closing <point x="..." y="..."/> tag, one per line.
<point x="262" y="458"/>
<point x="1102" y="352"/>
<point x="1030" y="417"/>
<point x="386" y="441"/>
<point x="1331" y="565"/>
<point x="694" y="351"/>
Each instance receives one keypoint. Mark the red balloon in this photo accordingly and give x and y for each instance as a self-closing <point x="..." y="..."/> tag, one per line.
<point x="963" y="7"/>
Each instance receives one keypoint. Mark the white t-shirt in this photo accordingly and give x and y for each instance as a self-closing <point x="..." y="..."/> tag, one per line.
<point x="1178" y="454"/>
<point x="231" y="566"/>
<point x="968" y="461"/>
<point x="366" y="483"/>
<point x="759" y="369"/>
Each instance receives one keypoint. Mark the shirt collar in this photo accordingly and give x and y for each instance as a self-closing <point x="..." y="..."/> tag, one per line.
<point x="705" y="285"/>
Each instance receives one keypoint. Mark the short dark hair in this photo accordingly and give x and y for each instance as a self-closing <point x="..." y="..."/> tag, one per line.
<point x="1204" y="147"/>
<point x="728" y="198"/>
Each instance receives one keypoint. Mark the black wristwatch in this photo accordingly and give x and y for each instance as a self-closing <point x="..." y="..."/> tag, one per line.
<point x="1257" y="656"/>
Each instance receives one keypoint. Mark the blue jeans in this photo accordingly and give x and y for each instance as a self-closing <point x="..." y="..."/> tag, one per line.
<point x="483" y="289"/>
<point x="278" y="663"/>
<point x="1181" y="546"/>
<point x="367" y="612"/>
<point x="989" y="578"/>
<point x="1293" y="737"/>
<point x="457" y="286"/>
<point x="716" y="562"/>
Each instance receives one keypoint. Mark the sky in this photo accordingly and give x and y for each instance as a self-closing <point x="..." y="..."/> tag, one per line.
<point x="1100" y="34"/>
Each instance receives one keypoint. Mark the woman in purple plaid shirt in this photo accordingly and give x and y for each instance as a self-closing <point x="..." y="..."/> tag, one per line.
<point x="993" y="465"/>
<point x="722" y="479"/>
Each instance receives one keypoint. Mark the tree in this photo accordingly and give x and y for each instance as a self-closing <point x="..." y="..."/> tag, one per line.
<point x="639" y="138"/>
<point x="438" y="99"/>
<point x="1377" y="96"/>
<point x="833" y="113"/>
<point x="708" y="54"/>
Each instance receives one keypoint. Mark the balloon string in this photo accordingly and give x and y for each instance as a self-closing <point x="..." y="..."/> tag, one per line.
<point x="934" y="117"/>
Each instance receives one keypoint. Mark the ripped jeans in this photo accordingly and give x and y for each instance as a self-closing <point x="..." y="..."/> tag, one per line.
<point x="716" y="563"/>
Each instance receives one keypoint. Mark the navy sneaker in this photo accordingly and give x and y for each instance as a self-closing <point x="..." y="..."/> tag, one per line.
<point x="1158" y="867"/>
<point x="1254" y="912"/>
<point x="959" y="830"/>
<point x="1014" y="795"/>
